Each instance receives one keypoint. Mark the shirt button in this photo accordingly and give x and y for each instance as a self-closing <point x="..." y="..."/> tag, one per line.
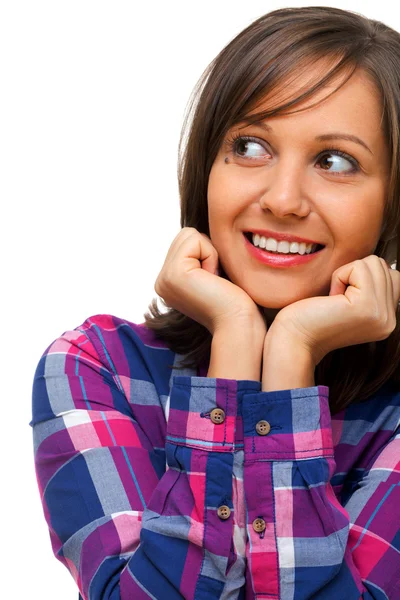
<point x="259" y="525"/>
<point x="217" y="415"/>
<point x="224" y="512"/>
<point x="263" y="427"/>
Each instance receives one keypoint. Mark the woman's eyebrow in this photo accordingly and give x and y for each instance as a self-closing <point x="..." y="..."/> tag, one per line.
<point x="319" y="138"/>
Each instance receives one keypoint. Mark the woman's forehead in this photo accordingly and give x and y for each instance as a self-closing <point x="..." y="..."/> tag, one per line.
<point x="336" y="94"/>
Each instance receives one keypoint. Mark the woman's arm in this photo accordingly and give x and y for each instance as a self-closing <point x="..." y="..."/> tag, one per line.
<point x="236" y="352"/>
<point x="96" y="465"/>
<point x="122" y="523"/>
<point x="314" y="545"/>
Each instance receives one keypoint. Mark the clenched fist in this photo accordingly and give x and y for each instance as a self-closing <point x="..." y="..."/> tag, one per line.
<point x="188" y="283"/>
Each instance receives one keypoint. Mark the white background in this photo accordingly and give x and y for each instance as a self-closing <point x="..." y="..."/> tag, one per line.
<point x="92" y="101"/>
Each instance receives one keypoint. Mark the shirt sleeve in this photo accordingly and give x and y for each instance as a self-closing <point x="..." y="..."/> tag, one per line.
<point x="313" y="546"/>
<point x="138" y="496"/>
<point x="123" y="496"/>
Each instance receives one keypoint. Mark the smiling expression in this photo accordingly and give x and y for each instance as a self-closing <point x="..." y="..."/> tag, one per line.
<point x="284" y="179"/>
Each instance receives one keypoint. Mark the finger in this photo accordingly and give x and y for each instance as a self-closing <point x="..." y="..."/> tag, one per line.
<point x="198" y="249"/>
<point x="174" y="246"/>
<point x="213" y="265"/>
<point x="393" y="294"/>
<point x="337" y="285"/>
<point x="183" y="235"/>
<point x="385" y="292"/>
<point x="179" y="246"/>
<point x="352" y="278"/>
<point x="382" y="286"/>
<point x="395" y="277"/>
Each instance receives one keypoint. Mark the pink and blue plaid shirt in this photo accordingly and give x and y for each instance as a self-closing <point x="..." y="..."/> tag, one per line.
<point x="164" y="484"/>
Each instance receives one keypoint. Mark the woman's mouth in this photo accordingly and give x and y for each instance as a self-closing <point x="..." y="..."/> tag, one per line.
<point x="280" y="259"/>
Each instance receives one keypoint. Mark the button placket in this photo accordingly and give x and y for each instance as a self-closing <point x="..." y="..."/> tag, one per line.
<point x="259" y="526"/>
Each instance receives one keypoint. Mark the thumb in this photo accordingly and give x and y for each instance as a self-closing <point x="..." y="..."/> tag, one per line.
<point x="337" y="285"/>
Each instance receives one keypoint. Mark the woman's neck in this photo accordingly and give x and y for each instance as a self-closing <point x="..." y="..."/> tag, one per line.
<point x="270" y="314"/>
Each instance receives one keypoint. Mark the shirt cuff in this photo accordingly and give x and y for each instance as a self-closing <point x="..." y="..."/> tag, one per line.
<point x="296" y="424"/>
<point x="192" y="400"/>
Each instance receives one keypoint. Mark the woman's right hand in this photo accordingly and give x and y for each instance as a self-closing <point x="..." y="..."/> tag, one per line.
<point x="188" y="283"/>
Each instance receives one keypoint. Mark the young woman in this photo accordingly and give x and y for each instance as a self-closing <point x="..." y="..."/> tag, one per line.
<point x="245" y="444"/>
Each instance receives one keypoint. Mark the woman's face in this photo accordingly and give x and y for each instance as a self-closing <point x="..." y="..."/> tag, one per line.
<point x="285" y="180"/>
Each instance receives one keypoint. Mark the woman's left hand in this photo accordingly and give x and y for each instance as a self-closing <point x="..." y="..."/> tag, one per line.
<point x="361" y="307"/>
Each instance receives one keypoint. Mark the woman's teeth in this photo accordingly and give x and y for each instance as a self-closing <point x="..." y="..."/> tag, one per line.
<point x="273" y="245"/>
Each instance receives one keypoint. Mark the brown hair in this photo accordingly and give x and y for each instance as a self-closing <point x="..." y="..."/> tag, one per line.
<point x="273" y="49"/>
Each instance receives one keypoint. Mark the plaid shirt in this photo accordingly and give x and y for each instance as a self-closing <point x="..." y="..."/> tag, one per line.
<point x="166" y="484"/>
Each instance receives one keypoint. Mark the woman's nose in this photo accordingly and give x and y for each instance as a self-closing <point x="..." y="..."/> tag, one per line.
<point x="284" y="194"/>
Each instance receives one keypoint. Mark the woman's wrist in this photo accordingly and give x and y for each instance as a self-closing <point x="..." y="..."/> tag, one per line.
<point x="236" y="352"/>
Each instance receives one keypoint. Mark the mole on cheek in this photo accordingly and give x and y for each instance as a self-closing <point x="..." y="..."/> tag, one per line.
<point x="226" y="159"/>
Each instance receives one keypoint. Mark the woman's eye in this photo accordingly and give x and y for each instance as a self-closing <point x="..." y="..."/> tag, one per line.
<point x="331" y="160"/>
<point x="241" y="143"/>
